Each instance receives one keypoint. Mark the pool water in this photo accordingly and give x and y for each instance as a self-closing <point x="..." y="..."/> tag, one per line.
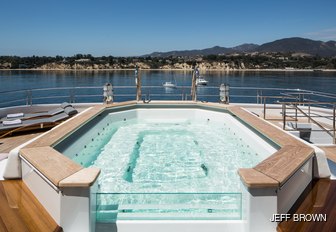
<point x="140" y="156"/>
<point x="167" y="164"/>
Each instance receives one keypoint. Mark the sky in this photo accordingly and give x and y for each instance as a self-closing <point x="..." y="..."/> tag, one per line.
<point x="138" y="27"/>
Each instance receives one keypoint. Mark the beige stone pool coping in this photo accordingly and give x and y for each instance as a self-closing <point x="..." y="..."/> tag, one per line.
<point x="271" y="172"/>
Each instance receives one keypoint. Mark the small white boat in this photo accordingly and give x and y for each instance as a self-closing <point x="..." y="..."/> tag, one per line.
<point x="201" y="81"/>
<point x="169" y="84"/>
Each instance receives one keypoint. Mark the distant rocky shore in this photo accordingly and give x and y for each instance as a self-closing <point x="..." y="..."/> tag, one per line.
<point x="232" y="62"/>
<point x="175" y="67"/>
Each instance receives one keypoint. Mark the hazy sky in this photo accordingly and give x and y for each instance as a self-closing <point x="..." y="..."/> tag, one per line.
<point x="127" y="28"/>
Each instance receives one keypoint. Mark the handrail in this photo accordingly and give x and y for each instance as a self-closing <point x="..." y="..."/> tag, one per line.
<point x="331" y="132"/>
<point x="289" y="100"/>
<point x="314" y="121"/>
<point x="42" y="95"/>
<point x="319" y="103"/>
<point x="264" y="101"/>
<point x="263" y="95"/>
<point x="157" y="86"/>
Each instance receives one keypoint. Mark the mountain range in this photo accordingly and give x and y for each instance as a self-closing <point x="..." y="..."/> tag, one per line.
<point x="293" y="45"/>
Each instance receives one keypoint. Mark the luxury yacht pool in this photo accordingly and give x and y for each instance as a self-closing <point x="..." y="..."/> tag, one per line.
<point x="167" y="167"/>
<point x="167" y="163"/>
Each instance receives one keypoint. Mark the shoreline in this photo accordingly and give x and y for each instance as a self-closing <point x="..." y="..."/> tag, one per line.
<point x="201" y="70"/>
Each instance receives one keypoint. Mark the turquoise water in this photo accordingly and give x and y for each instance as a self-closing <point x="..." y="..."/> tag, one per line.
<point x="137" y="156"/>
<point x="168" y="170"/>
<point x="177" y="170"/>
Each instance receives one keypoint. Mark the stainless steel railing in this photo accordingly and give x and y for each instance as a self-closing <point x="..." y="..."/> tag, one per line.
<point x="303" y="111"/>
<point x="271" y="98"/>
<point x="122" y="93"/>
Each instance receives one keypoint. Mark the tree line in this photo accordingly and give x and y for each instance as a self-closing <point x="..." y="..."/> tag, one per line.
<point x="250" y="61"/>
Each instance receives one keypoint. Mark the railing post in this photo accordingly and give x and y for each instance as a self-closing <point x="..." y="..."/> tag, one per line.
<point x="334" y="133"/>
<point x="182" y="94"/>
<point x="259" y="96"/>
<point x="296" y="116"/>
<point x="108" y="93"/>
<point x="193" y="84"/>
<point x="138" y="83"/>
<point x="224" y="93"/>
<point x="29" y="99"/>
<point x="309" y="113"/>
<point x="284" y="116"/>
<point x="71" y="96"/>
<point x="264" y="107"/>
